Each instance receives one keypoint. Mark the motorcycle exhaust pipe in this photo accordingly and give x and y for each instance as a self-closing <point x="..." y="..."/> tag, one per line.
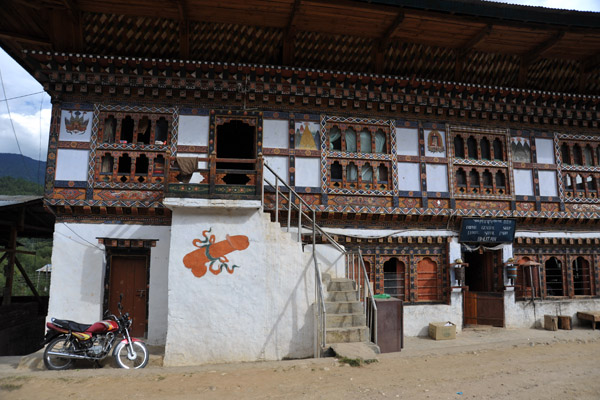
<point x="69" y="355"/>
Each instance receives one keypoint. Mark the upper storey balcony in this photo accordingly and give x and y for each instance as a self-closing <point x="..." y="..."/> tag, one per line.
<point x="212" y="177"/>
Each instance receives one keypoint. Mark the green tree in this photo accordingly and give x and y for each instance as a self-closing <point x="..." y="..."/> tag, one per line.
<point x="17" y="186"/>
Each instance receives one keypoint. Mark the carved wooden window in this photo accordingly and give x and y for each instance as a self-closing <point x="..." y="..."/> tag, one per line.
<point x="498" y="153"/>
<point x="588" y="155"/>
<point x="554" y="277"/>
<point x="488" y="181"/>
<point x="359" y="156"/>
<point x="365" y="141"/>
<point x="107" y="164"/>
<point x="484" y="172"/>
<point x="582" y="281"/>
<point x="459" y="147"/>
<point x="472" y="148"/>
<point x="394" y="275"/>
<point x="577" y="155"/>
<point x="335" y="138"/>
<point x="336" y="172"/>
<point x="484" y="145"/>
<point x="565" y="154"/>
<point x="580" y="173"/>
<point x="131" y="147"/>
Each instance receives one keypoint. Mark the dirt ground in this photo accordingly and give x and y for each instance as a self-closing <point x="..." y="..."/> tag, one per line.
<point x="478" y="364"/>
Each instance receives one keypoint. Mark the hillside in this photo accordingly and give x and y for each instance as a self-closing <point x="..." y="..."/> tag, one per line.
<point x="23" y="167"/>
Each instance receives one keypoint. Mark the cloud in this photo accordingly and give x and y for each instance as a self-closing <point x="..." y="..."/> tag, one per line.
<point x="31" y="125"/>
<point x="31" y="131"/>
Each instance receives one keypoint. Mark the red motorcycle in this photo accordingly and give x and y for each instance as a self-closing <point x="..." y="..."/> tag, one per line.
<point x="69" y="341"/>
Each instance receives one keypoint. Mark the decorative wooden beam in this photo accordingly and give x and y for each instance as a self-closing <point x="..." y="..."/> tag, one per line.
<point x="184" y="29"/>
<point x="464" y="49"/>
<point x="537" y="51"/>
<point x="477" y="38"/>
<point x="391" y="30"/>
<point x="289" y="35"/>
<point x="24" y="38"/>
<point x="533" y="54"/>
<point x="383" y="41"/>
<point x="71" y="7"/>
<point x="591" y="63"/>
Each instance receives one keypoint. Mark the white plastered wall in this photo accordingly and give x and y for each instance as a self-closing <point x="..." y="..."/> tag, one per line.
<point x="407" y="141"/>
<point x="261" y="311"/>
<point x="275" y="133"/>
<point x="530" y="314"/>
<point x="78" y="271"/>
<point x="193" y="130"/>
<point x="437" y="178"/>
<point x="417" y="317"/>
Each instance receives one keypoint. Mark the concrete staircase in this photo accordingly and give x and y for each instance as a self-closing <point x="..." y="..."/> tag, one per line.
<point x="346" y="320"/>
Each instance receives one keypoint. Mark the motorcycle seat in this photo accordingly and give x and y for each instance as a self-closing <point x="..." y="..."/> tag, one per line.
<point x="71" y="325"/>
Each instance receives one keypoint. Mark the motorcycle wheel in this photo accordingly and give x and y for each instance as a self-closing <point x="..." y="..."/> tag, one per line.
<point x="122" y="356"/>
<point x="62" y="345"/>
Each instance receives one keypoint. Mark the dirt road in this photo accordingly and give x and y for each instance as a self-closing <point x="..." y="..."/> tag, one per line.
<point x="549" y="367"/>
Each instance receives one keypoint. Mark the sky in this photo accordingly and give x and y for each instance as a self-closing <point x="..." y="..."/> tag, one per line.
<point x="31" y="114"/>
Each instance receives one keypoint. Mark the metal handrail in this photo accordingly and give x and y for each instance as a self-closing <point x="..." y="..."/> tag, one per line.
<point x="321" y="312"/>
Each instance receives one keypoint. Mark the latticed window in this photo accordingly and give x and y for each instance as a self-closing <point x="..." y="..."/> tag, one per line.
<point x="582" y="282"/>
<point x="394" y="272"/>
<point x="131" y="148"/>
<point x="554" y="277"/>
<point x="580" y="159"/>
<point x="359" y="154"/>
<point x="484" y="172"/>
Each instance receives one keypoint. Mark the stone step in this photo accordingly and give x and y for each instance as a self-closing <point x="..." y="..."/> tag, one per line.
<point x="347" y="335"/>
<point x="342" y="295"/>
<point x="343" y="307"/>
<point x="341" y="284"/>
<point x="346" y="320"/>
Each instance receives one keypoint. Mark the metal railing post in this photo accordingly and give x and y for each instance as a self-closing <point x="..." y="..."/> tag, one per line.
<point x="290" y="202"/>
<point x="276" y="199"/>
<point x="299" y="221"/>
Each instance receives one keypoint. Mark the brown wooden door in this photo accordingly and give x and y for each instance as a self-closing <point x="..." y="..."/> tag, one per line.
<point x="484" y="308"/>
<point x="128" y="275"/>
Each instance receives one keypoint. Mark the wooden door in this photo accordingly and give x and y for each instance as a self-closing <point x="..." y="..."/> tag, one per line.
<point x="129" y="276"/>
<point x="484" y="308"/>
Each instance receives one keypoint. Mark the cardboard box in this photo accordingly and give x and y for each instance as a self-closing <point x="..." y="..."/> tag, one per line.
<point x="442" y="330"/>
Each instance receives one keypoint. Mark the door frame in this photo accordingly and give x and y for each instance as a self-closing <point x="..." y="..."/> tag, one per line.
<point x="126" y="252"/>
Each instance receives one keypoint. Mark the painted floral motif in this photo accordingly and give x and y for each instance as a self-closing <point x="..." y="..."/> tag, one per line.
<point x="212" y="253"/>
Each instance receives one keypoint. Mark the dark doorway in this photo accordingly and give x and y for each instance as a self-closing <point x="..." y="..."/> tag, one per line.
<point x="236" y="139"/>
<point x="483" y="267"/>
<point x="484" y="300"/>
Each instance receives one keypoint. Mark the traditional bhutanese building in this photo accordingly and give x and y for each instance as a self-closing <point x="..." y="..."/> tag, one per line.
<point x="451" y="145"/>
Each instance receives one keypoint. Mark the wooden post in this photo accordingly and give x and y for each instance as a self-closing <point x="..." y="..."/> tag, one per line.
<point x="212" y="165"/>
<point x="9" y="269"/>
<point x="27" y="280"/>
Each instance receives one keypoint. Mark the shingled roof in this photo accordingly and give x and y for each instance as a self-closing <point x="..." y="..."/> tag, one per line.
<point x="462" y="41"/>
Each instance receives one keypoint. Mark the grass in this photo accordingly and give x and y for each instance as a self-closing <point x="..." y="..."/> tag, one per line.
<point x="10" y="384"/>
<point x="356" y="362"/>
<point x="9" y="387"/>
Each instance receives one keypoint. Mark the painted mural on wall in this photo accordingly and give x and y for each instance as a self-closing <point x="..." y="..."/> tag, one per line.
<point x="214" y="254"/>
<point x="435" y="142"/>
<point x="521" y="151"/>
<point x="307" y="135"/>
<point x="75" y="126"/>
